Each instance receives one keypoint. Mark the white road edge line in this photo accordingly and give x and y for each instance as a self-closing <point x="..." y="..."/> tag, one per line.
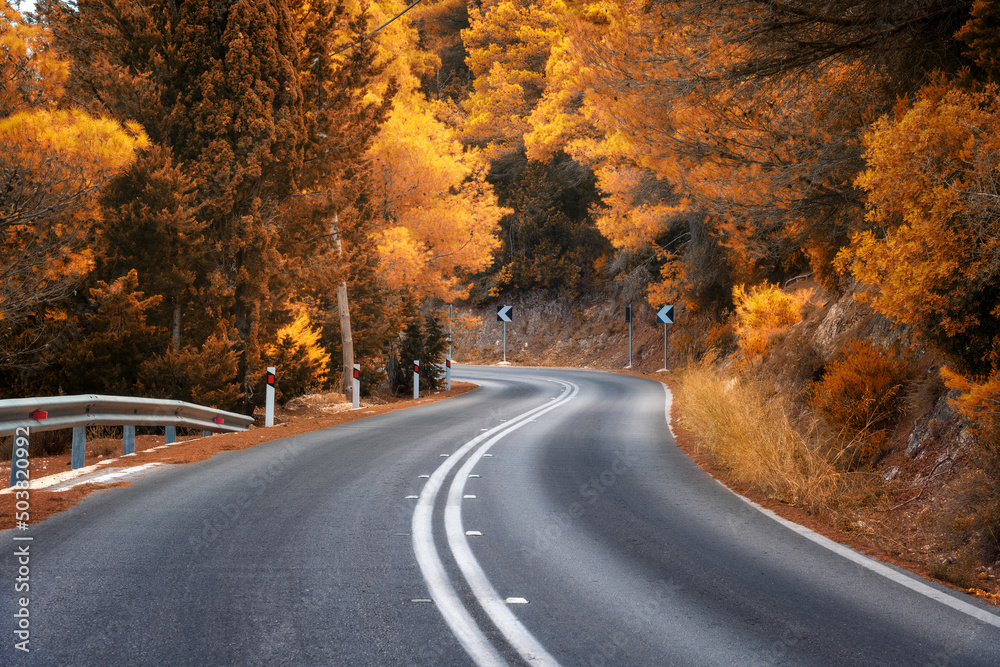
<point x="860" y="559"/>
<point x="492" y="603"/>
<point x="462" y="625"/>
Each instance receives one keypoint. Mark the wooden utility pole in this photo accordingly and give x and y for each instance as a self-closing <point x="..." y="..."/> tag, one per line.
<point x="344" y="309"/>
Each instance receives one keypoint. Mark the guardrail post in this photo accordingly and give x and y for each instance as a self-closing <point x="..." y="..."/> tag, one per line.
<point x="447" y="373"/>
<point x="416" y="378"/>
<point x="79" y="447"/>
<point x="171" y="434"/>
<point x="269" y="400"/>
<point x="19" y="457"/>
<point x="128" y="440"/>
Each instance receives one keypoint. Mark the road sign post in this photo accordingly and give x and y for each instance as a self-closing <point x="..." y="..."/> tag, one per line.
<point x="505" y="314"/>
<point x="447" y="373"/>
<point x="665" y="316"/>
<point x="628" y="318"/>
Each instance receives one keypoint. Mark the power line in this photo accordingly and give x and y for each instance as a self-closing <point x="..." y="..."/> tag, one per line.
<point x="376" y="30"/>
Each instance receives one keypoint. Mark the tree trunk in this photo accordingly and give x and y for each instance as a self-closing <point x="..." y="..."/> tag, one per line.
<point x="346" y="340"/>
<point x="177" y="326"/>
<point x="344" y="308"/>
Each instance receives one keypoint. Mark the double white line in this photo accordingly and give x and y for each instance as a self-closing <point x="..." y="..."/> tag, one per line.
<point x="465" y="628"/>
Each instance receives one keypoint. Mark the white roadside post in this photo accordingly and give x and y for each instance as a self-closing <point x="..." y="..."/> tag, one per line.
<point x="356" y="394"/>
<point x="269" y="400"/>
<point x="416" y="378"/>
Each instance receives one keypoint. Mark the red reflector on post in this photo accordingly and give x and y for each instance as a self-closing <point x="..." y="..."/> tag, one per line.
<point x="39" y="414"/>
<point x="447" y="362"/>
<point x="357" y="374"/>
<point x="219" y="420"/>
<point x="270" y="379"/>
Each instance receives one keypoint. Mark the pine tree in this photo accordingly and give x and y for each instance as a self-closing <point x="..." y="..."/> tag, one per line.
<point x="150" y="225"/>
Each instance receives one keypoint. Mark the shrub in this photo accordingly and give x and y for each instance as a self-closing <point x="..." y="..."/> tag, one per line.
<point x="720" y="337"/>
<point x="974" y="510"/>
<point x="762" y="313"/>
<point x="426" y="343"/>
<point x="205" y="375"/>
<point x="858" y="396"/>
<point x="745" y="428"/>
<point x="300" y="360"/>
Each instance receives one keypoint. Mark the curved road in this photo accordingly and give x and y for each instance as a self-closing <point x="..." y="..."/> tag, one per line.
<point x="545" y="518"/>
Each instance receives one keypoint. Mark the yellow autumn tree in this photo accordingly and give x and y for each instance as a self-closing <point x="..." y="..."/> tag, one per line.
<point x="509" y="42"/>
<point x="440" y="215"/>
<point x="53" y="160"/>
<point x="301" y="361"/>
<point x="437" y="214"/>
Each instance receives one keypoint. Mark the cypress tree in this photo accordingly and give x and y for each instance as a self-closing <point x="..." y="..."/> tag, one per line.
<point x="217" y="83"/>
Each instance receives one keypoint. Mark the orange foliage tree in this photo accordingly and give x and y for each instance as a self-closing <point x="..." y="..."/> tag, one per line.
<point x="932" y="258"/>
<point x="508" y="42"/>
<point x="54" y="159"/>
<point x="436" y="214"/>
<point x="748" y="114"/>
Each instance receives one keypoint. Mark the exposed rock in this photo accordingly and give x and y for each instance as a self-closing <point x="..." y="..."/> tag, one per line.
<point x="937" y="424"/>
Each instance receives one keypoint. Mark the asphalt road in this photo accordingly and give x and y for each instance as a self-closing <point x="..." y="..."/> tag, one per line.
<point x="550" y="520"/>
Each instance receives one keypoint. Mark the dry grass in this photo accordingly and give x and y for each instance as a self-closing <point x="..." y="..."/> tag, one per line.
<point x="747" y="431"/>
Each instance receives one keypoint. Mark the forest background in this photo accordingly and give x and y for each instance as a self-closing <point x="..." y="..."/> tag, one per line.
<point x="185" y="184"/>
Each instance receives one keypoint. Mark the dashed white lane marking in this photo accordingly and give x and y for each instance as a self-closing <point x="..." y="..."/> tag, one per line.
<point x="516" y="601"/>
<point x="859" y="559"/>
<point x="462" y="625"/>
<point x="412" y="497"/>
<point x="423" y="476"/>
<point x="474" y="533"/>
<point x="469" y="496"/>
<point x="473" y="476"/>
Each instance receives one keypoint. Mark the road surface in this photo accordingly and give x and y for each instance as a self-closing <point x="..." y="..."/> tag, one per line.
<point x="545" y="518"/>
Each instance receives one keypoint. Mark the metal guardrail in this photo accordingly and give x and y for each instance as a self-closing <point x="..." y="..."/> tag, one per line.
<point x="22" y="416"/>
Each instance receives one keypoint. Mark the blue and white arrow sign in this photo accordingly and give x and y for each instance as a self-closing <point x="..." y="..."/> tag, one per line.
<point x="505" y="313"/>
<point x="665" y="315"/>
